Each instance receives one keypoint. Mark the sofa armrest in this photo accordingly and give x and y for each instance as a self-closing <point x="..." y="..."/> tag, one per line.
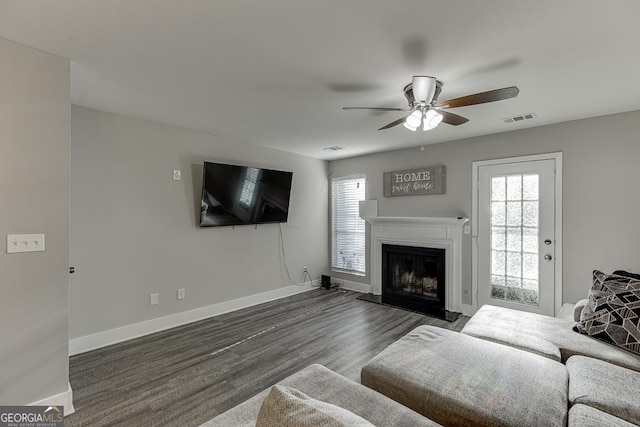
<point x="577" y="310"/>
<point x="566" y="312"/>
<point x="572" y="311"/>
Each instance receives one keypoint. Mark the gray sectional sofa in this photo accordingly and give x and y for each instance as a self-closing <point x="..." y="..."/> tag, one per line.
<point x="505" y="368"/>
<point x="457" y="379"/>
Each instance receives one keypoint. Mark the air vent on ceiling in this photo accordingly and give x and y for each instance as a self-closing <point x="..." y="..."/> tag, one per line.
<point x="520" y="118"/>
<point x="333" y="148"/>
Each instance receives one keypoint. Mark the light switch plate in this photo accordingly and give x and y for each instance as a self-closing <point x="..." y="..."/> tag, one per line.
<point x="25" y="243"/>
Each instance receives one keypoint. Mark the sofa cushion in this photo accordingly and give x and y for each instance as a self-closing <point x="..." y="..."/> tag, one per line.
<point x="288" y="407"/>
<point x="455" y="379"/>
<point x="586" y="416"/>
<point x="320" y="383"/>
<point x="604" y="386"/>
<point x="490" y="319"/>
<point x="524" y="341"/>
<point x="613" y="311"/>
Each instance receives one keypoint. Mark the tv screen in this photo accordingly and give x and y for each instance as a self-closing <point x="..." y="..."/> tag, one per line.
<point x="239" y="195"/>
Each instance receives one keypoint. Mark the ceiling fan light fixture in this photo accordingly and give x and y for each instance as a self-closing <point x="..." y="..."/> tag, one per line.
<point x="411" y="128"/>
<point x="414" y="120"/>
<point x="424" y="88"/>
<point x="432" y="119"/>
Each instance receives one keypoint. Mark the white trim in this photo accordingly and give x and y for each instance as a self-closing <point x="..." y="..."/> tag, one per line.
<point x="364" y="288"/>
<point x="557" y="157"/>
<point x="428" y="232"/>
<point x="64" y="399"/>
<point x="124" y="333"/>
<point x="440" y="221"/>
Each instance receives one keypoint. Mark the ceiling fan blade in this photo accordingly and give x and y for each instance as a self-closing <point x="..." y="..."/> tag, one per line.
<point x="452" y="119"/>
<point x="376" y="108"/>
<point x="482" y="98"/>
<point x="394" y="123"/>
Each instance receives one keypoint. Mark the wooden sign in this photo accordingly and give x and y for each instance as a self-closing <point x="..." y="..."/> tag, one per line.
<point x="415" y="182"/>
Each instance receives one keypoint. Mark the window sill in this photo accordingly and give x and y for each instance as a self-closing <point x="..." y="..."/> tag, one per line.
<point x="350" y="272"/>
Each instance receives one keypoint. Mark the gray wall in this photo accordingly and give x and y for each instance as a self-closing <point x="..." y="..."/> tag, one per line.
<point x="34" y="198"/>
<point x="134" y="229"/>
<point x="600" y="189"/>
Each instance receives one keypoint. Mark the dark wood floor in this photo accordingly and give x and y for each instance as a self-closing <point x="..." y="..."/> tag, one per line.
<point x="187" y="375"/>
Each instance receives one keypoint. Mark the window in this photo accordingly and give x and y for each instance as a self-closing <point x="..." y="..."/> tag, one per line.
<point x="347" y="228"/>
<point x="515" y="201"/>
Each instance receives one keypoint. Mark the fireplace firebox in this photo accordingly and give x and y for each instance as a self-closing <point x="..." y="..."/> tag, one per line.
<point x="414" y="278"/>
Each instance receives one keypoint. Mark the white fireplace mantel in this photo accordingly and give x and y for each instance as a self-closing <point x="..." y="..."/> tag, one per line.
<point x="418" y="221"/>
<point x="427" y="232"/>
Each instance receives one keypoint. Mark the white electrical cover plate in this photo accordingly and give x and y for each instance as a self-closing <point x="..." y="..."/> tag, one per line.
<point x="25" y="243"/>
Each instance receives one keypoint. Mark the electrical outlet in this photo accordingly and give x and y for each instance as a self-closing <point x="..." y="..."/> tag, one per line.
<point x="181" y="293"/>
<point x="153" y="299"/>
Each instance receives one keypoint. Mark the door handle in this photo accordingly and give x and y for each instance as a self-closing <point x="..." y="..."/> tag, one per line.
<point x="548" y="257"/>
<point x="547" y="241"/>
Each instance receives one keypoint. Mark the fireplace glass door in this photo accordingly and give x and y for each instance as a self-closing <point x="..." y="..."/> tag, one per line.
<point x="413" y="277"/>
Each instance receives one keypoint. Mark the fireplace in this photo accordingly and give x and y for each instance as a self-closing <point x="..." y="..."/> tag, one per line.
<point x="421" y="232"/>
<point x="414" y="278"/>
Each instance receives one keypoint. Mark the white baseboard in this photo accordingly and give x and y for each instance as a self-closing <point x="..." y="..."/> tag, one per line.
<point x="124" y="333"/>
<point x="365" y="288"/>
<point x="64" y="399"/>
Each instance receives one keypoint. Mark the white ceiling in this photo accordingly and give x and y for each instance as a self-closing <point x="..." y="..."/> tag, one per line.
<point x="276" y="73"/>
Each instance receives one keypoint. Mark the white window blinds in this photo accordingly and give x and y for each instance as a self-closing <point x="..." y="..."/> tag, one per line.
<point x="348" y="229"/>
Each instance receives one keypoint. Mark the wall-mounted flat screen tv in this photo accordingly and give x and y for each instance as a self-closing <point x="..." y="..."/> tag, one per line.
<point x="240" y="195"/>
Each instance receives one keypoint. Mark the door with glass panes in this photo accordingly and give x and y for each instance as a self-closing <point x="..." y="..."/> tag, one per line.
<point x="516" y="235"/>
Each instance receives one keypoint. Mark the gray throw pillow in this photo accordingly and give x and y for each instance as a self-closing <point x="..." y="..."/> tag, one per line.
<point x="288" y="407"/>
<point x="613" y="311"/>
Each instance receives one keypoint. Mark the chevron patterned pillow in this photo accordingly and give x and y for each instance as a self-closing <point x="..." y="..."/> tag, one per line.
<point x="613" y="311"/>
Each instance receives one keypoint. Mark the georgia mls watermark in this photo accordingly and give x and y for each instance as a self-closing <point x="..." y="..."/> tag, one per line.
<point x="31" y="416"/>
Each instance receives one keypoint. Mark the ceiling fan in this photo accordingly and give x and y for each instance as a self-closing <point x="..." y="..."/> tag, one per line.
<point x="422" y="94"/>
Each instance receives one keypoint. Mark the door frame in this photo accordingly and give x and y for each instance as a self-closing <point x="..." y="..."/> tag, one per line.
<point x="557" y="157"/>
